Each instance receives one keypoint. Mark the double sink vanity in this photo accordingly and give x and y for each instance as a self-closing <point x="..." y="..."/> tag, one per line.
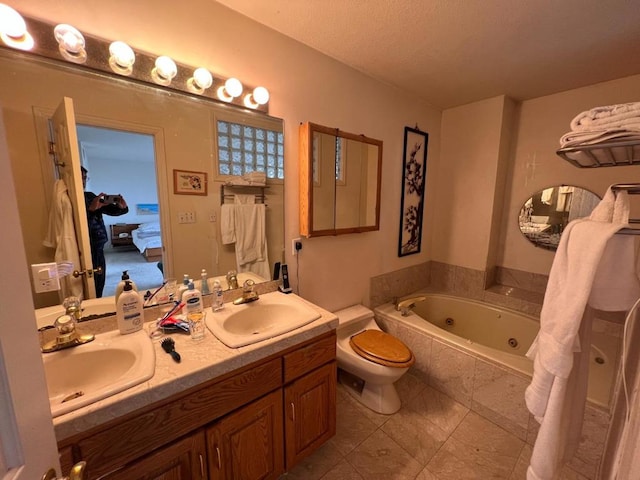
<point x="250" y="400"/>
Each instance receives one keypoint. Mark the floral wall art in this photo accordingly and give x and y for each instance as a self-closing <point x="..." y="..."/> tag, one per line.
<point x="414" y="169"/>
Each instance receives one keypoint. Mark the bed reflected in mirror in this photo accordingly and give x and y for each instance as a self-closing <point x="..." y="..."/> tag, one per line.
<point x="546" y="213"/>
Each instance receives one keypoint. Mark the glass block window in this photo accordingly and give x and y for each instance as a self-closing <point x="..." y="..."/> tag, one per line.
<point x="246" y="148"/>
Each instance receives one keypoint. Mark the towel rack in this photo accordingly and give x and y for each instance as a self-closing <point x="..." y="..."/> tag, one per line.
<point x="225" y="194"/>
<point x="605" y="154"/>
<point x="631" y="189"/>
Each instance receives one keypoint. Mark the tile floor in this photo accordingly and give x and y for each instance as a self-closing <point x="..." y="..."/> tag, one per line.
<point x="432" y="437"/>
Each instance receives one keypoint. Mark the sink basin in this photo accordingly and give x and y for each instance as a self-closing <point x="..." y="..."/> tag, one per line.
<point x="272" y="315"/>
<point x="87" y="373"/>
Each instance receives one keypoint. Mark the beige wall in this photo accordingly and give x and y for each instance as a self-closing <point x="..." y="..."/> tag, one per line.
<point x="463" y="195"/>
<point x="469" y="179"/>
<point x="304" y="86"/>
<point x="535" y="165"/>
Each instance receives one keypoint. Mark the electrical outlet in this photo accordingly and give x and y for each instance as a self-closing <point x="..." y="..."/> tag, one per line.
<point x="45" y="277"/>
<point x="186" y="217"/>
<point x="294" y="250"/>
<point x="212" y="216"/>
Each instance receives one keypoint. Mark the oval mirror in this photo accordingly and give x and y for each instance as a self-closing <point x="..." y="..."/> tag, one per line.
<point x="545" y="214"/>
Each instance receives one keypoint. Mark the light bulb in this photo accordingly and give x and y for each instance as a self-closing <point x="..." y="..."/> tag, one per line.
<point x="70" y="43"/>
<point x="231" y="89"/>
<point x="121" y="58"/>
<point x="13" y="29"/>
<point x="200" y="81"/>
<point x="164" y="70"/>
<point x="259" y="96"/>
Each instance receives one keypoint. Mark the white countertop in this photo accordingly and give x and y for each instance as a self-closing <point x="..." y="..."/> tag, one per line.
<point x="202" y="361"/>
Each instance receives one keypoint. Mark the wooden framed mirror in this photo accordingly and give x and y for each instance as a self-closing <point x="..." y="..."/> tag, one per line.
<point x="340" y="176"/>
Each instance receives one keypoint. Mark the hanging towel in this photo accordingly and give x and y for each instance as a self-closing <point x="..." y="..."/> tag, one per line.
<point x="243" y="199"/>
<point x="557" y="393"/>
<point x="227" y="224"/>
<point x="61" y="235"/>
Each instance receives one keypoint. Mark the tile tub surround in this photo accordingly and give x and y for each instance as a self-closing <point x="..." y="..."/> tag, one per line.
<point x="201" y="361"/>
<point x="460" y="281"/>
<point x="432" y="437"/>
<point x="492" y="392"/>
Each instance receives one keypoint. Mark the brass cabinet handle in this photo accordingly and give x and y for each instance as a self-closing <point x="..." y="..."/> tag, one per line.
<point x="201" y="465"/>
<point x="219" y="462"/>
<point x="293" y="412"/>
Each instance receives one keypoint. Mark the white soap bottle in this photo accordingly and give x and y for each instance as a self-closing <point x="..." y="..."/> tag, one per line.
<point x="192" y="299"/>
<point x="217" y="303"/>
<point x="120" y="286"/>
<point x="129" y="311"/>
<point x="204" y="285"/>
<point x="183" y="288"/>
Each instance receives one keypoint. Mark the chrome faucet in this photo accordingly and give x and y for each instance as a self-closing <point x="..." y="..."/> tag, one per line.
<point x="232" y="279"/>
<point x="248" y="293"/>
<point x="405" y="306"/>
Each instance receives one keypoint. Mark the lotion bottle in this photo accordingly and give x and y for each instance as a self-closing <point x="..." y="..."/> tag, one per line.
<point x="183" y="288"/>
<point x="120" y="286"/>
<point x="129" y="312"/>
<point x="192" y="299"/>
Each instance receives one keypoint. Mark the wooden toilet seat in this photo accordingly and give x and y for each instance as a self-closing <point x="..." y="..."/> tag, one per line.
<point x="381" y="348"/>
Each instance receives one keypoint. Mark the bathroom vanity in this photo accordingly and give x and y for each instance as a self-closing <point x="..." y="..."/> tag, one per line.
<point x="222" y="413"/>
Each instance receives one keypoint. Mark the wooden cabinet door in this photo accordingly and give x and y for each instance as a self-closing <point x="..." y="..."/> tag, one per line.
<point x="182" y="460"/>
<point x="248" y="444"/>
<point x="310" y="418"/>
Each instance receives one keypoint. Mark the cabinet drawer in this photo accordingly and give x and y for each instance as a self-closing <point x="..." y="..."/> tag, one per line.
<point x="310" y="357"/>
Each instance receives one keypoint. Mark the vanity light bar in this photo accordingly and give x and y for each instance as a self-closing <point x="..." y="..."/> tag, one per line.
<point x="119" y="59"/>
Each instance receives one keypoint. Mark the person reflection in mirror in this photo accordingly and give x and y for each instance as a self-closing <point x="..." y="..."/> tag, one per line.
<point x="96" y="208"/>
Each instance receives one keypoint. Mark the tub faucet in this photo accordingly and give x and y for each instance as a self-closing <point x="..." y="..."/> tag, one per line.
<point x="405" y="306"/>
<point x="248" y="294"/>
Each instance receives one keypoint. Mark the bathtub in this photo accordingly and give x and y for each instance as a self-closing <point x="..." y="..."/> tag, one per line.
<point x="495" y="334"/>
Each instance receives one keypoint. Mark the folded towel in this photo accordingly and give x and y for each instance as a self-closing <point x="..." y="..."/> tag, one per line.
<point x="596" y="136"/>
<point x="607" y="115"/>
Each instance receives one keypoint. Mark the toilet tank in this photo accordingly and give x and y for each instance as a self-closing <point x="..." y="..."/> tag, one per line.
<point x="353" y="314"/>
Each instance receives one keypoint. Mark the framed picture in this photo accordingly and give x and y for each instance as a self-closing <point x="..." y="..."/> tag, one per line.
<point x="186" y="182"/>
<point x="414" y="169"/>
<point x="147" y="208"/>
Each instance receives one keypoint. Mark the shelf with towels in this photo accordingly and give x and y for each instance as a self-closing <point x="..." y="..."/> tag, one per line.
<point x="605" y="154"/>
<point x="227" y="191"/>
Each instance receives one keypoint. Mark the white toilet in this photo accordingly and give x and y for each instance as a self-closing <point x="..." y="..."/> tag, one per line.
<point x="373" y="356"/>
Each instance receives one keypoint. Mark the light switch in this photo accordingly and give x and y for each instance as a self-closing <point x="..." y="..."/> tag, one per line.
<point x="45" y="277"/>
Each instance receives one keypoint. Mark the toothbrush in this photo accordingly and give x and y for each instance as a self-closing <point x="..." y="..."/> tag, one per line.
<point x="175" y="308"/>
<point x="154" y="293"/>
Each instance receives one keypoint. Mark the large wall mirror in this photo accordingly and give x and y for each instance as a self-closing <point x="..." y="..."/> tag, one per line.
<point x="546" y="213"/>
<point x="134" y="138"/>
<point x="339" y="181"/>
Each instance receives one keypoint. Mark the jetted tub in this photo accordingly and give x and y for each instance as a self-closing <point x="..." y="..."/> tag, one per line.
<point x="496" y="334"/>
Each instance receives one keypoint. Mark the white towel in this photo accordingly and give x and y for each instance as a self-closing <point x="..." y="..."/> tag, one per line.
<point x="557" y="392"/>
<point x="608" y="115"/>
<point x="243" y="199"/>
<point x="227" y="224"/>
<point x="596" y="136"/>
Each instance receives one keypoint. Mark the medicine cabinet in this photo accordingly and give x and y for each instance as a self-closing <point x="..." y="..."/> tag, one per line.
<point x="339" y="181"/>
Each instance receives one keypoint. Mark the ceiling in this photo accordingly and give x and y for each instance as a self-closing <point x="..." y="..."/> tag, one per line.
<point x="454" y="52"/>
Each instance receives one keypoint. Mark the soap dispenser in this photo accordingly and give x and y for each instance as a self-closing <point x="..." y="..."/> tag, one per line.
<point x="121" y="284"/>
<point x="129" y="312"/>
<point x="184" y="287"/>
